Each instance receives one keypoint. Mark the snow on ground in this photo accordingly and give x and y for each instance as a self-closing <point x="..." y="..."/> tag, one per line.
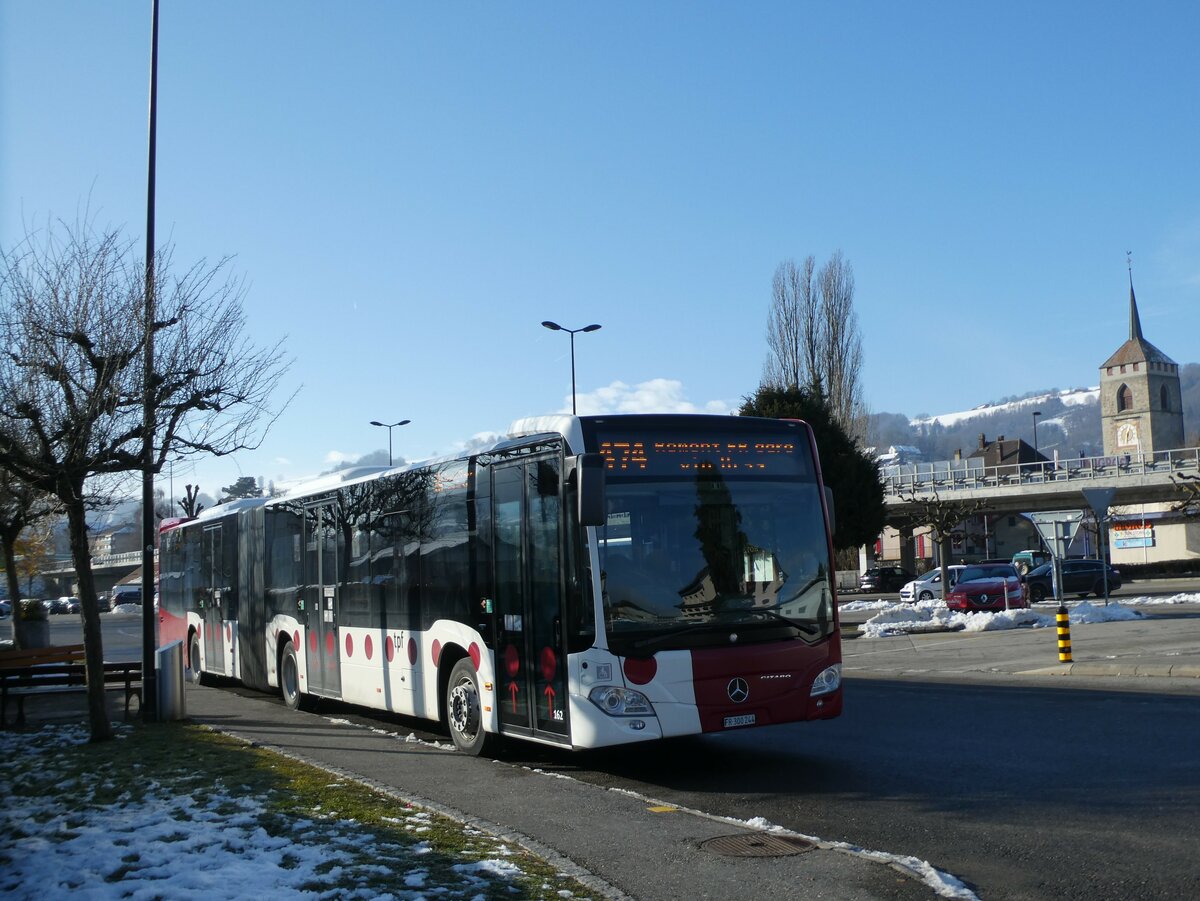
<point x="894" y="618"/>
<point x="203" y="842"/>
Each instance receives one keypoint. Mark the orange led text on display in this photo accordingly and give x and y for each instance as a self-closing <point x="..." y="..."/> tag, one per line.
<point x="690" y="456"/>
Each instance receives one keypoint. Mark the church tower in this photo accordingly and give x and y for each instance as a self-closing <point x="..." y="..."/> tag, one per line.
<point x="1141" y="406"/>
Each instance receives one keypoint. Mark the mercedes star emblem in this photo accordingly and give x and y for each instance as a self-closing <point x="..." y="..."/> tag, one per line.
<point x="738" y="690"/>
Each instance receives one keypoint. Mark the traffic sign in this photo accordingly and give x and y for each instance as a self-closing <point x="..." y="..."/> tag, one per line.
<point x="1058" y="529"/>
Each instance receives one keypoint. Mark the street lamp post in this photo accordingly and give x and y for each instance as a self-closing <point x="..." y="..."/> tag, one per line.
<point x="555" y="327"/>
<point x="384" y="425"/>
<point x="1036" y="414"/>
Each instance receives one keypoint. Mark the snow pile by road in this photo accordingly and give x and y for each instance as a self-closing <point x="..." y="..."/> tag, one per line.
<point x="934" y="616"/>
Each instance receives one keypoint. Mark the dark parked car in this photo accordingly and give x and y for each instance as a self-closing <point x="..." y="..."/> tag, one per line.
<point x="884" y="578"/>
<point x="1079" y="577"/>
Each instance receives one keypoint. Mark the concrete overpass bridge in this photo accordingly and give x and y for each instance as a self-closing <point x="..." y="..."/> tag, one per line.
<point x="108" y="570"/>
<point x="1033" y="487"/>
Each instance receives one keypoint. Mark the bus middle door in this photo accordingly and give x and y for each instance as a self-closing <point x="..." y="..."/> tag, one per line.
<point x="531" y="657"/>
<point x="212" y="571"/>
<point x="320" y="575"/>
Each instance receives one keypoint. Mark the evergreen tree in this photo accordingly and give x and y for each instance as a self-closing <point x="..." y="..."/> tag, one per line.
<point x="849" y="472"/>
<point x="245" y="486"/>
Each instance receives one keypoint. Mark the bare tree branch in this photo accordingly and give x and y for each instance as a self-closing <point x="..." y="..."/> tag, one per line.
<point x="72" y="317"/>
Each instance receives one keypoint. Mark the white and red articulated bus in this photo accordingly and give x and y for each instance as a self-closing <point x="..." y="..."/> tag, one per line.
<point x="588" y="581"/>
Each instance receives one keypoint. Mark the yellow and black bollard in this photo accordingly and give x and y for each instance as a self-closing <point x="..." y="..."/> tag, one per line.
<point x="1064" y="634"/>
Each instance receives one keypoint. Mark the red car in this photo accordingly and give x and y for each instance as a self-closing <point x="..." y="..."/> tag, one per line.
<point x="987" y="586"/>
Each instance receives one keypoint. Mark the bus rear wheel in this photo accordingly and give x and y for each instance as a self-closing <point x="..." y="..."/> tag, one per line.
<point x="289" y="677"/>
<point x="464" y="711"/>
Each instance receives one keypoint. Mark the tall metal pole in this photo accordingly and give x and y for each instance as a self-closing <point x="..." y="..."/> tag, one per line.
<point x="149" y="677"/>
<point x="384" y="425"/>
<point x="573" y="410"/>
<point x="555" y="327"/>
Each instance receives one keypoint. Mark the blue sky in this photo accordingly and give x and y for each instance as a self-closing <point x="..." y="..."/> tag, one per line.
<point x="410" y="189"/>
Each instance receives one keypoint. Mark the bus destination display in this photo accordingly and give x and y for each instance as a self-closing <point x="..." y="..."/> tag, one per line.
<point x="685" y="456"/>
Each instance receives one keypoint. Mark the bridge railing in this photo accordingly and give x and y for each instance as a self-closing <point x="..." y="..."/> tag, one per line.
<point x="955" y="475"/>
<point x="64" y="565"/>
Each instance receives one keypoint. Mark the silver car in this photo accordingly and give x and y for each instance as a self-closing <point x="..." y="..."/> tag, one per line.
<point x="929" y="586"/>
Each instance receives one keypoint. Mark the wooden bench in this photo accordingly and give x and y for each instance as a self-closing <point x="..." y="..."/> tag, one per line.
<point x="58" y="670"/>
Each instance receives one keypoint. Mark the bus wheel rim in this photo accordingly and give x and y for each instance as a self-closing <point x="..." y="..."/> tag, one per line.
<point x="464" y="709"/>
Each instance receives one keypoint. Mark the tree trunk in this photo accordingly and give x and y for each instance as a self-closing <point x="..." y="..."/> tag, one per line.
<point x="944" y="548"/>
<point x="14" y="589"/>
<point x="93" y="639"/>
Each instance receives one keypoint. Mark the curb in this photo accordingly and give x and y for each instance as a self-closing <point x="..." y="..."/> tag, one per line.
<point x="1145" y="670"/>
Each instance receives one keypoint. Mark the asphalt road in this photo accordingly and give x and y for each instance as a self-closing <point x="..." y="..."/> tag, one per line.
<point x="1022" y="791"/>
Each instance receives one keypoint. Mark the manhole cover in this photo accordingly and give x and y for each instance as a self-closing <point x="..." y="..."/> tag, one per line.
<point x="756" y="844"/>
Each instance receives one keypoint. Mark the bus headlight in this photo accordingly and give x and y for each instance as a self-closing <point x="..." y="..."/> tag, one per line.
<point x="617" y="701"/>
<point x="828" y="680"/>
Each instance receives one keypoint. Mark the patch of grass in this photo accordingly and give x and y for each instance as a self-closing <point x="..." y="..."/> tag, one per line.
<point x="371" y="844"/>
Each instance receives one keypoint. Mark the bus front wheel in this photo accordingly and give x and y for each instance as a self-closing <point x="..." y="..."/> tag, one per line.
<point x="194" y="658"/>
<point x="464" y="711"/>
<point x="289" y="677"/>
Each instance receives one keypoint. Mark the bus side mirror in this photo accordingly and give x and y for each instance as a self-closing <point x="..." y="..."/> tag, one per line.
<point x="829" y="507"/>
<point x="592" y="503"/>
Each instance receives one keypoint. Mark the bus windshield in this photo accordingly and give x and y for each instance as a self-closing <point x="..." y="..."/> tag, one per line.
<point x="698" y="553"/>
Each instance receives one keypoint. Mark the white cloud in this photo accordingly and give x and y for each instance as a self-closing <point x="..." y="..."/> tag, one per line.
<point x="334" y="457"/>
<point x="653" y="396"/>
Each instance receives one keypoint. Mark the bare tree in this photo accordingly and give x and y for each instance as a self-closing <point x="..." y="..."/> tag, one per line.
<point x="21" y="508"/>
<point x="71" y="379"/>
<point x="944" y="517"/>
<point x="841" y="345"/>
<point x="813" y="339"/>
<point x="793" y="328"/>
<point x="190" y="504"/>
<point x="1187" y="488"/>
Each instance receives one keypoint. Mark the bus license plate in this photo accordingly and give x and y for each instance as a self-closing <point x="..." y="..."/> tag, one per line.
<point x="746" y="719"/>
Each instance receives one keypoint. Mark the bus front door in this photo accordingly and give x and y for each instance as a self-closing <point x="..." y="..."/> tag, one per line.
<point x="530" y="655"/>
<point x="212" y="571"/>
<point x="320" y="576"/>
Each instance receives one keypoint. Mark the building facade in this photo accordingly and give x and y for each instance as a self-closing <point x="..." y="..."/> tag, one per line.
<point x="1141" y="408"/>
<point x="1141" y="404"/>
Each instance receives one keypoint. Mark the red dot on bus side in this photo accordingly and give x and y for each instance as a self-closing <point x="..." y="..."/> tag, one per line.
<point x="312" y="641"/>
<point x="200" y="631"/>
<point x="329" y="643"/>
<point x="639" y="672"/>
<point x="436" y="651"/>
<point x="296" y="639"/>
<point x="349" y="645"/>
<point x="389" y="648"/>
<point x="512" y="661"/>
<point x="549" y="664"/>
<point x="368" y="647"/>
<point x="412" y="652"/>
<point x="476" y="656"/>
<point x="228" y="632"/>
